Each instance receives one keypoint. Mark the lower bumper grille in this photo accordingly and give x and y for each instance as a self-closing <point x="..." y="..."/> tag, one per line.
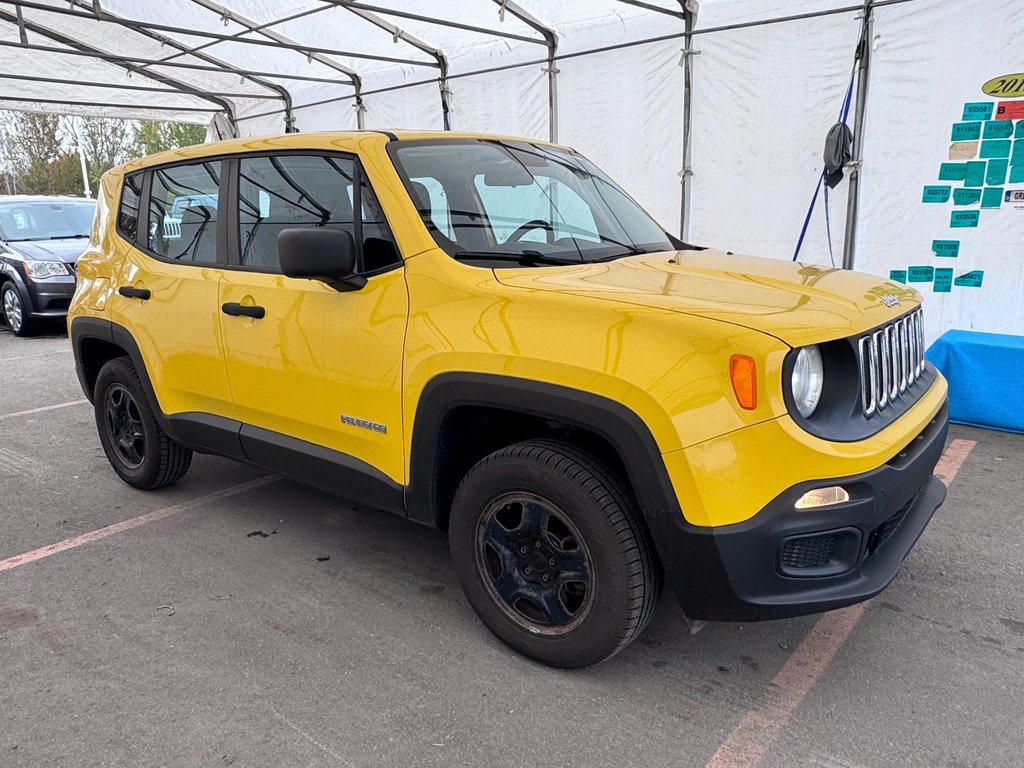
<point x="808" y="552"/>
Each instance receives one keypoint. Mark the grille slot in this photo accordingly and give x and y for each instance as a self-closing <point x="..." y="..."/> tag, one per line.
<point x="884" y="532"/>
<point x="891" y="360"/>
<point x="808" y="552"/>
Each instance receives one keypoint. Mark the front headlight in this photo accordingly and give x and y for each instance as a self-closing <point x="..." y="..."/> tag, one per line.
<point x="40" y="269"/>
<point x="808" y="380"/>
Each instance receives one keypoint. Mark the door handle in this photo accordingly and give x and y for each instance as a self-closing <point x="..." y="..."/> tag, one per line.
<point x="243" y="310"/>
<point x="134" y="293"/>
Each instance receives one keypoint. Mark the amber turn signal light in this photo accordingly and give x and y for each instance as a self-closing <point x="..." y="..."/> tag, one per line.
<point x="743" y="372"/>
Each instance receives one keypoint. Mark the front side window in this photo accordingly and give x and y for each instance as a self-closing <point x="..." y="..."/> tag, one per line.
<point x="491" y="201"/>
<point x="277" y="193"/>
<point x="183" y="212"/>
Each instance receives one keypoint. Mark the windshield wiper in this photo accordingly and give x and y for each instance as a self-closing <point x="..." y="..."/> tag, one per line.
<point x="526" y="257"/>
<point x="66" y="237"/>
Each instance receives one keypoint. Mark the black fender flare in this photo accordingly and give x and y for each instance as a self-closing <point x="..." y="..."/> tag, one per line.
<point x="622" y="428"/>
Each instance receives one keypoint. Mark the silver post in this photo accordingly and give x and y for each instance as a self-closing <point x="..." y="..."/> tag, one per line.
<point x="864" y="53"/>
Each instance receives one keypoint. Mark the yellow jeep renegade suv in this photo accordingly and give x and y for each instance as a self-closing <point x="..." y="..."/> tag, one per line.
<point x="488" y="335"/>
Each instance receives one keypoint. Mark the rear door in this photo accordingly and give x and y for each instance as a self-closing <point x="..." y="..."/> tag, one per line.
<point x="317" y="367"/>
<point x="171" y="277"/>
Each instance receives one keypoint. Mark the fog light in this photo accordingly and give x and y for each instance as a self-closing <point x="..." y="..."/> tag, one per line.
<point x="823" y="497"/>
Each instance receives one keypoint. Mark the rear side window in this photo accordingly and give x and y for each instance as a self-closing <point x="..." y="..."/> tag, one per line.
<point x="128" y="213"/>
<point x="276" y="193"/>
<point x="183" y="212"/>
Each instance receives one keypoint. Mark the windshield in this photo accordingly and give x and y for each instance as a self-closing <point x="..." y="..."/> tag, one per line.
<point x="490" y="201"/>
<point x="45" y="219"/>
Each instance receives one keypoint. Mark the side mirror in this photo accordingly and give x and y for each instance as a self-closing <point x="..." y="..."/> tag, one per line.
<point x="320" y="253"/>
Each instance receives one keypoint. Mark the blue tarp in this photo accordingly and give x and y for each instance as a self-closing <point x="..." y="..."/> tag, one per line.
<point x="985" y="373"/>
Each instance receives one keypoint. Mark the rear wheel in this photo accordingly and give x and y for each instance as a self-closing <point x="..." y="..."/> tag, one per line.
<point x="14" y="311"/>
<point x="552" y="555"/>
<point x="137" y="448"/>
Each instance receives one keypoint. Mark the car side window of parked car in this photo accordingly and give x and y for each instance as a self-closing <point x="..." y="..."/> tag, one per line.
<point x="183" y="212"/>
<point x="282" y="192"/>
<point x="128" y="213"/>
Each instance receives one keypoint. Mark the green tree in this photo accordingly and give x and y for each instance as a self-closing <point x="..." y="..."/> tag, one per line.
<point x="38" y="155"/>
<point x="153" y="136"/>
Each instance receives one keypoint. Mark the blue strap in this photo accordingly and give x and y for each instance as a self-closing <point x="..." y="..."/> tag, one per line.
<point x="844" y="113"/>
<point x="807" y="218"/>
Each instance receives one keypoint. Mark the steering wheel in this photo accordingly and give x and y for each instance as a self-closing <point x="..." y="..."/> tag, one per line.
<point x="518" y="235"/>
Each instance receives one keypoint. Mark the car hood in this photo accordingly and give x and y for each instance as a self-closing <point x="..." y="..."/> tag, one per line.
<point x="797" y="303"/>
<point x="67" y="250"/>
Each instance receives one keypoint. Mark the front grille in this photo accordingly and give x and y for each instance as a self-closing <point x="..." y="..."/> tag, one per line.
<point x="808" y="552"/>
<point x="891" y="360"/>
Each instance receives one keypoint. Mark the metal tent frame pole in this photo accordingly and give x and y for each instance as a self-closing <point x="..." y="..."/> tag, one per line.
<point x="283" y="40"/>
<point x="550" y="36"/>
<point x="399" y="34"/>
<point x="80" y="47"/>
<point x="853" y="192"/>
<point x="690" y="9"/>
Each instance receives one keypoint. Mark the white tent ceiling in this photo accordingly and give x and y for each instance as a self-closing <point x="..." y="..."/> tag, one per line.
<point x="188" y="59"/>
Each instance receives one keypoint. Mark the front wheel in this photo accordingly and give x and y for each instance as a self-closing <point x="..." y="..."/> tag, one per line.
<point x="137" y="448"/>
<point x="14" y="311"/>
<point x="552" y="554"/>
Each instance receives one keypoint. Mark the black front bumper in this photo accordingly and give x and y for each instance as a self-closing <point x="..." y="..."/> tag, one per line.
<point x="51" y="297"/>
<point x="786" y="562"/>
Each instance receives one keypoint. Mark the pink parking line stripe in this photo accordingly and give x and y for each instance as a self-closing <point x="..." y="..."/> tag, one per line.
<point x="43" y="409"/>
<point x="754" y="735"/>
<point x="127" y="525"/>
<point x="953" y="458"/>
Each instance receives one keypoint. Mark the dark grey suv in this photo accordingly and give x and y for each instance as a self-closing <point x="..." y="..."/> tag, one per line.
<point x="41" y="238"/>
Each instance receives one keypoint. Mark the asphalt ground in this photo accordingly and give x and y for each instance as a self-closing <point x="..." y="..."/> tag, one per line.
<point x="338" y="636"/>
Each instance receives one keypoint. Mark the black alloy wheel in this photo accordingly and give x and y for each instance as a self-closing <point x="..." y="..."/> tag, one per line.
<point x="535" y="562"/>
<point x="136" y="446"/>
<point x="124" y="425"/>
<point x="553" y="554"/>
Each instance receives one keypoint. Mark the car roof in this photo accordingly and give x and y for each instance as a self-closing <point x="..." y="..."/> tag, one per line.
<point x="44" y="199"/>
<point x="344" y="141"/>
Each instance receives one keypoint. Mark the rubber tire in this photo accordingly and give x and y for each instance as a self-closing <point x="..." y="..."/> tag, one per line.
<point x="27" y="324"/>
<point x="628" y="574"/>
<point x="165" y="461"/>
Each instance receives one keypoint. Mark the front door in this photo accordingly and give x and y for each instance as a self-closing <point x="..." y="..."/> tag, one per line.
<point x="314" y="368"/>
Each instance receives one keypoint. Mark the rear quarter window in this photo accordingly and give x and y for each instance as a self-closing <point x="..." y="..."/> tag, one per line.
<point x="128" y="211"/>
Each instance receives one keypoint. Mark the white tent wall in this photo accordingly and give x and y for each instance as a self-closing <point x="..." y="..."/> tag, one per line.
<point x="623" y="108"/>
<point x="513" y="101"/>
<point x="925" y="67"/>
<point x="764" y="98"/>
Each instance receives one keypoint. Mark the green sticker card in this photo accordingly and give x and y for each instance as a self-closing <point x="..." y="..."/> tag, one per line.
<point x="966" y="132"/>
<point x="946" y="248"/>
<point x="920" y="274"/>
<point x="967" y="196"/>
<point x="970" y="279"/>
<point x="964" y="219"/>
<point x="954" y="171"/>
<point x="998" y="129"/>
<point x="898" y="275"/>
<point x="935" y="194"/>
<point x="1019" y="132"/>
<point x="943" y="281"/>
<point x="975" y="173"/>
<point x="997" y="171"/>
<point x="1017" y="174"/>
<point x="1017" y="155"/>
<point x="993" y="197"/>
<point x="977" y="110"/>
<point x="995" y="148"/>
